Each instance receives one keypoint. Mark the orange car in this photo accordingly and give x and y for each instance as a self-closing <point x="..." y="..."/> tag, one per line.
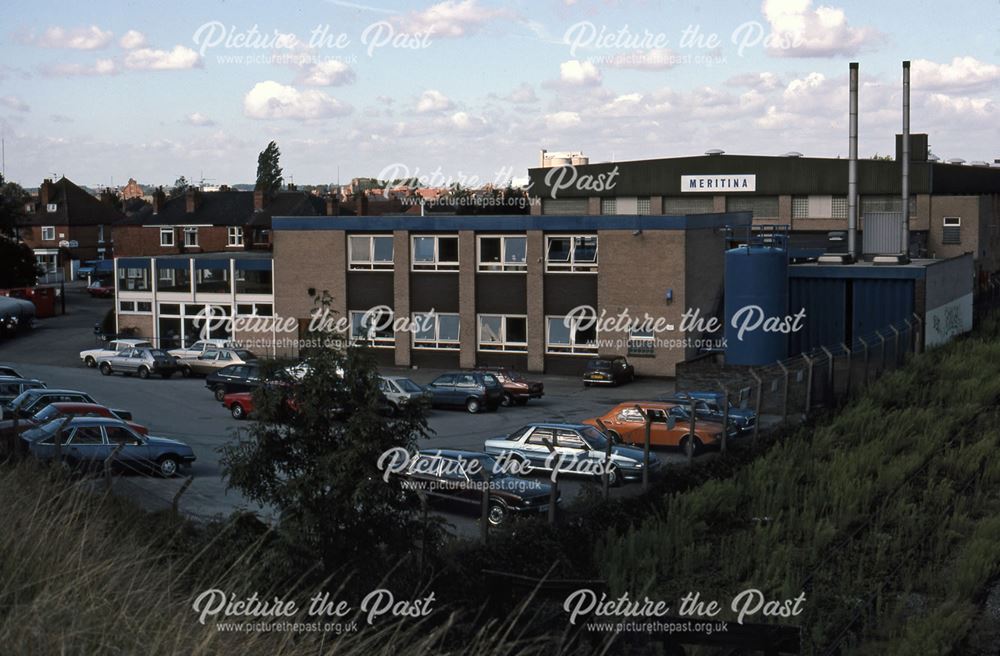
<point x="627" y="424"/>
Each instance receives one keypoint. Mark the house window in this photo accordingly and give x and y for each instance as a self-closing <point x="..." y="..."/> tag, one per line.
<point x="51" y="207"/>
<point x="501" y="253"/>
<point x="609" y="206"/>
<point x="800" y="207"/>
<point x="433" y="253"/>
<point x="166" y="237"/>
<point x="435" y="331"/>
<point x="641" y="343"/>
<point x="135" y="307"/>
<point x="100" y="234"/>
<point x="133" y="279"/>
<point x="190" y="236"/>
<point x="48" y="233"/>
<point x="503" y="332"/>
<point x="573" y="253"/>
<point x="235" y="237"/>
<point x="29" y="208"/>
<point x="370" y="252"/>
<point x="571" y="335"/>
<point x="952" y="230"/>
<point x="49" y="262"/>
<point x="372" y="328"/>
<point x="642" y="205"/>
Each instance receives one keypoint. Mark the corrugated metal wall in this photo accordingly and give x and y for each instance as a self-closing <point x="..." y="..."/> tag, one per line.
<point x="876" y="303"/>
<point x="825" y="303"/>
<point x="882" y="233"/>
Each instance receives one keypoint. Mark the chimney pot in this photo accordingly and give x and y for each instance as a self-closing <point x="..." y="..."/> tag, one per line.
<point x="191" y="200"/>
<point x="159" y="200"/>
<point x="259" y="200"/>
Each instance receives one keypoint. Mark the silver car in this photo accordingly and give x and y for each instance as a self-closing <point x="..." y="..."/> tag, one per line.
<point x="140" y="361"/>
<point x="399" y="391"/>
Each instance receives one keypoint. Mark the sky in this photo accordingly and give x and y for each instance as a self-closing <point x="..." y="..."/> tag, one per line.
<point x="469" y="91"/>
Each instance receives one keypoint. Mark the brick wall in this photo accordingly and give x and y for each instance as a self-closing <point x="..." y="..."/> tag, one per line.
<point x="141" y="241"/>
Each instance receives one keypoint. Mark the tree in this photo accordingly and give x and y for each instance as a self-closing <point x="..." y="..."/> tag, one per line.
<point x="12" y="201"/>
<point x="269" y="170"/>
<point x="180" y="187"/>
<point x="109" y="197"/>
<point x="17" y="265"/>
<point x="318" y="468"/>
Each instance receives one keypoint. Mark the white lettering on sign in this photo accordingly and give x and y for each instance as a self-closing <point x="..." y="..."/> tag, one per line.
<point x="722" y="182"/>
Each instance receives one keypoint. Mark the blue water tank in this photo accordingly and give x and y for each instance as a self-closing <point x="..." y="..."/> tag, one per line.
<point x="756" y="297"/>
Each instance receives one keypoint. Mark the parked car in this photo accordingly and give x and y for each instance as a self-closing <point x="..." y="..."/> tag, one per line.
<point x="89" y="441"/>
<point x="31" y="401"/>
<point x="575" y="448"/>
<point x="101" y="289"/>
<point x="200" y="347"/>
<point x="115" y="346"/>
<point x="11" y="387"/>
<point x="214" y="359"/>
<point x="234" y="378"/>
<point x="241" y="405"/>
<point x="143" y="362"/>
<point x="473" y="390"/>
<point x="627" y="425"/>
<point x="88" y="267"/>
<point x="743" y="418"/>
<point x="612" y="370"/>
<point x="516" y="388"/>
<point x="68" y="409"/>
<point x="704" y="414"/>
<point x="9" y="372"/>
<point x="453" y="478"/>
<point x="400" y="391"/>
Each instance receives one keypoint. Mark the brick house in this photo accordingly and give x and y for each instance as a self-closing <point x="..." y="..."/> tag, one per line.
<point x="65" y="226"/>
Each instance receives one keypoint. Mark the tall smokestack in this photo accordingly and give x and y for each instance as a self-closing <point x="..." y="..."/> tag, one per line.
<point x="905" y="230"/>
<point x="852" y="169"/>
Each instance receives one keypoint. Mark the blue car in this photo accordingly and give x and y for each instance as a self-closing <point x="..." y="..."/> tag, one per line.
<point x="88" y="441"/>
<point x="472" y="390"/>
<point x="575" y="449"/>
<point x="742" y="418"/>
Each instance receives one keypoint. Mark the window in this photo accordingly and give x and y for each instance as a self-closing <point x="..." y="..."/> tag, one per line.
<point x="144" y="306"/>
<point x="571" y="335"/>
<point x="212" y="280"/>
<point x="126" y="306"/>
<point x="641" y="343"/>
<point x="133" y="279"/>
<point x="564" y="206"/>
<point x="169" y="279"/>
<point x="642" y="205"/>
<point x="686" y="205"/>
<point x="100" y="234"/>
<point x="253" y="282"/>
<point x="372" y="328"/>
<point x="503" y="253"/>
<point x="759" y="206"/>
<point x="951" y="230"/>
<point x="51" y="207"/>
<point x="370" y="252"/>
<point x="435" y="331"/>
<point x="48" y="233"/>
<point x="886" y="204"/>
<point x="609" y="206"/>
<point x="121" y="435"/>
<point x="166" y="237"/>
<point x="135" y="307"/>
<point x="838" y="207"/>
<point x="435" y="253"/>
<point x="190" y="236"/>
<point x="29" y="208"/>
<point x="574" y="253"/>
<point x="235" y="237"/>
<point x="800" y="207"/>
<point x="500" y="332"/>
<point x="86" y="435"/>
<point x="255" y="309"/>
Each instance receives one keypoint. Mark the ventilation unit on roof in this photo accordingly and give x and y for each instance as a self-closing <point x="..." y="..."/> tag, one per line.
<point x="792" y="153"/>
<point x="715" y="151"/>
<point x="933" y="158"/>
<point x="956" y="160"/>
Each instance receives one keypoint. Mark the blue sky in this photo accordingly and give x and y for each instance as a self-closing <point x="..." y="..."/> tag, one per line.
<point x="470" y="90"/>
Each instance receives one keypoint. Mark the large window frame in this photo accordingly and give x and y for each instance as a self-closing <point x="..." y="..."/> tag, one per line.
<point x="572" y="264"/>
<point x="384" y="338"/>
<point x="48" y="233"/>
<point x="191" y="237"/>
<point x="234" y="237"/>
<point x="437" y="264"/>
<point x="166" y="237"/>
<point x="577" y="342"/>
<point x="505" y="264"/>
<point x="504" y="343"/>
<point x="370" y="263"/>
<point x="433" y="340"/>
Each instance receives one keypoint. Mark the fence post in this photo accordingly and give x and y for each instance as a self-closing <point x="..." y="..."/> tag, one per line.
<point x="882" y="346"/>
<point x="895" y="346"/>
<point x="864" y="345"/>
<point x="909" y="336"/>
<point x="725" y="417"/>
<point x="756" y="423"/>
<point x="484" y="518"/>
<point x="918" y="346"/>
<point x="175" y="503"/>
<point x="645" y="447"/>
<point x="831" y="391"/>
<point x="809" y="382"/>
<point x="784" y="393"/>
<point x="607" y="461"/>
<point x="850" y="367"/>
<point x="691" y="438"/>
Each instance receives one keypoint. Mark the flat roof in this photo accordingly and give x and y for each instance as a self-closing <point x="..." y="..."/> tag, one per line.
<point x="513" y="222"/>
<point x="914" y="269"/>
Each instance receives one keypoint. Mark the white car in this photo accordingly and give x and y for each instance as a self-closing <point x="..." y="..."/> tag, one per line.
<point x="200" y="347"/>
<point x="114" y="347"/>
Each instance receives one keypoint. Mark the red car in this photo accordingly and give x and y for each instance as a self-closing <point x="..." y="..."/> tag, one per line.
<point x="240" y="404"/>
<point x="68" y="409"/>
<point x="101" y="289"/>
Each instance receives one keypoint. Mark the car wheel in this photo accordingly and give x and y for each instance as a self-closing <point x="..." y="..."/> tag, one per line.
<point x="220" y="393"/>
<point x="105" y="368"/>
<point x="615" y="437"/>
<point x="238" y="412"/>
<point x="690" y="448"/>
<point x="614" y="477"/>
<point x="186" y="372"/>
<point x="507" y="400"/>
<point x="167" y="466"/>
<point x="90" y="362"/>
<point x="497" y="513"/>
<point x="473" y="405"/>
<point x="143" y="372"/>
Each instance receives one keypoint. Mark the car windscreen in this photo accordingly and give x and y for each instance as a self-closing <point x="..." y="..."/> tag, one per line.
<point x="21" y="399"/>
<point x="47" y="413"/>
<point x="486" y="464"/>
<point x="491" y="380"/>
<point x="157" y="353"/>
<point x="601" y="365"/>
<point x="594" y="438"/>
<point x="245" y="355"/>
<point x="407" y="385"/>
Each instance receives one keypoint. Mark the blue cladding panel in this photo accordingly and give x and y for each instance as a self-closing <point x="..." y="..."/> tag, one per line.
<point x="253" y="265"/>
<point x="133" y="262"/>
<point x="878" y="303"/>
<point x="825" y="303"/>
<point x="181" y="263"/>
<point x="756" y="276"/>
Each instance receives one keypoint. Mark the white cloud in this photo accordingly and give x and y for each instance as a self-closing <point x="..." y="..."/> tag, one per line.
<point x="132" y="39"/>
<point x="329" y="73"/>
<point x="961" y="73"/>
<point x="464" y="122"/>
<point x="15" y="103"/>
<point x="199" y="120"/>
<point x="451" y="18"/>
<point x="522" y="95"/>
<point x="433" y="101"/>
<point x="76" y="38"/>
<point x="655" y="59"/>
<point x="99" y="67"/>
<point x="761" y="81"/>
<point x="270" y="99"/>
<point x="799" y="30"/>
<point x="562" y="120"/>
<point x="579" y="73"/>
<point x="149" y="59"/>
<point x="960" y="105"/>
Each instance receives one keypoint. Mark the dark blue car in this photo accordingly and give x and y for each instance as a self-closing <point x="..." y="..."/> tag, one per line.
<point x="88" y="441"/>
<point x="743" y="419"/>
<point x="472" y="390"/>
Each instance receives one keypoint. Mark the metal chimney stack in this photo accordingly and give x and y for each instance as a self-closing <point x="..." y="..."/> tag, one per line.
<point x="852" y="169"/>
<point x="905" y="230"/>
